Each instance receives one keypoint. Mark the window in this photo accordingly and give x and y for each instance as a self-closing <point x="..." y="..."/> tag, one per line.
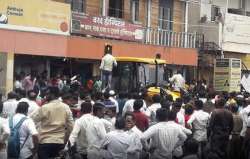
<point x="78" y="6"/>
<point x="215" y="12"/>
<point x="164" y="18"/>
<point x="165" y="14"/>
<point x="124" y="76"/>
<point x="135" y="10"/>
<point x="116" y="8"/>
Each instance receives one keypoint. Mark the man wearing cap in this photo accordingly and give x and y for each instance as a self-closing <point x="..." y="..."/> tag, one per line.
<point x="110" y="112"/>
<point x="112" y="98"/>
<point x="108" y="61"/>
<point x="95" y="132"/>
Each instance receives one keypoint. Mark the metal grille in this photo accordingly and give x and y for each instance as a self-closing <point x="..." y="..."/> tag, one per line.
<point x="173" y="39"/>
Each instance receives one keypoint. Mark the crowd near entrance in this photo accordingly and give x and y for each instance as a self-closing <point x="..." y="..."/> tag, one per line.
<point x="54" y="67"/>
<point x="134" y="109"/>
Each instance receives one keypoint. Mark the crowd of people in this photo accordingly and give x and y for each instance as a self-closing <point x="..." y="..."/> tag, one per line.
<point x="65" y="120"/>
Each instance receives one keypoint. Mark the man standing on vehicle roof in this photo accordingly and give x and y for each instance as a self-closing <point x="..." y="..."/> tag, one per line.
<point x="108" y="61"/>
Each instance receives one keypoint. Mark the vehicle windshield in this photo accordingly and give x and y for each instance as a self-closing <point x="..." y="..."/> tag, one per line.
<point x="124" y="76"/>
<point x="150" y="74"/>
<point x="129" y="76"/>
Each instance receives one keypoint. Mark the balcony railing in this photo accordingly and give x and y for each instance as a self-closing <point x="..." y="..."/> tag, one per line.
<point x="151" y="36"/>
<point x="173" y="39"/>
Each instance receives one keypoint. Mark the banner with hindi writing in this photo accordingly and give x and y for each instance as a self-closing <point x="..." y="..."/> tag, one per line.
<point x="108" y="27"/>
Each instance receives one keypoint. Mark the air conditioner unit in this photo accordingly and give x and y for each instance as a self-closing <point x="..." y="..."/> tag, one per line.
<point x="76" y="25"/>
<point x="215" y="13"/>
<point x="203" y="19"/>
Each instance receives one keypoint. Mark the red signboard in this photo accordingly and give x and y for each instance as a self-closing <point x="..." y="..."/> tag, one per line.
<point x="108" y="27"/>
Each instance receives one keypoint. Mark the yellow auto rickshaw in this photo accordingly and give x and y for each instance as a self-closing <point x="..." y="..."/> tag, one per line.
<point x="134" y="74"/>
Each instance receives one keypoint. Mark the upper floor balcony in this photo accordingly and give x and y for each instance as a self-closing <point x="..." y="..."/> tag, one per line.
<point x="118" y="29"/>
<point x="224" y="23"/>
<point x="142" y="21"/>
<point x="173" y="39"/>
<point x="231" y="33"/>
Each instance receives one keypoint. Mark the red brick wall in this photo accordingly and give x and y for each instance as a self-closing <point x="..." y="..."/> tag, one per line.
<point x="154" y="13"/>
<point x="127" y="14"/>
<point x="143" y="12"/>
<point x="93" y="7"/>
<point x="178" y="16"/>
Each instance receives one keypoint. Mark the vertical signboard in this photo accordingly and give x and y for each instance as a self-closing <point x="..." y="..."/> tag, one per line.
<point x="227" y="75"/>
<point x="221" y="74"/>
<point x="235" y="75"/>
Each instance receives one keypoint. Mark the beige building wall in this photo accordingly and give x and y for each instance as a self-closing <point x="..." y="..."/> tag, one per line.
<point x="6" y="72"/>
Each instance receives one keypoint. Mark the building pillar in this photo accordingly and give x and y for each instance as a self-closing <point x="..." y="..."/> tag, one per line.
<point x="47" y="67"/>
<point x="186" y="24"/>
<point x="6" y="72"/>
<point x="96" y="69"/>
<point x="105" y="7"/>
<point x="148" y="31"/>
<point x="149" y="13"/>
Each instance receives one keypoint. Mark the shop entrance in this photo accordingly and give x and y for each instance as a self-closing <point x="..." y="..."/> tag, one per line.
<point x="53" y="66"/>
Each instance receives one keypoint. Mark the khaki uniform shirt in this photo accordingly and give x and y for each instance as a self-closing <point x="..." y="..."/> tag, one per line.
<point x="55" y="120"/>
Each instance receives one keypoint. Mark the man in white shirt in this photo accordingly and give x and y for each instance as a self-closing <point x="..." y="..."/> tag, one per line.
<point x="178" y="81"/>
<point x="9" y="106"/>
<point x="151" y="112"/>
<point x="180" y="118"/>
<point x="198" y="122"/>
<point x="113" y="99"/>
<point x="178" y="152"/>
<point x="130" y="125"/>
<point x="27" y="131"/>
<point x="117" y="144"/>
<point x="129" y="104"/>
<point x="244" y="113"/>
<point x="107" y="63"/>
<point x="165" y="136"/>
<point x="18" y="83"/>
<point x="78" y="135"/>
<point x="247" y="140"/>
<point x="110" y="112"/>
<point x="135" y="135"/>
<point x="33" y="106"/>
<point x="95" y="132"/>
<point x="4" y="133"/>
